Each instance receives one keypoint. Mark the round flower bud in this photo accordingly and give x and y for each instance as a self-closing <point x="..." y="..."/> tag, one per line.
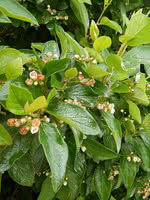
<point x="65" y="183"/>
<point x="80" y="77"/>
<point x="11" y="122"/>
<point x="29" y="82"/>
<point x="36" y="83"/>
<point x="83" y="148"/>
<point x="34" y="129"/>
<point x="40" y="77"/>
<point x="23" y="130"/>
<point x="66" y="18"/>
<point x="17" y="123"/>
<point x="23" y="120"/>
<point x="129" y="158"/>
<point x="36" y="122"/>
<point x="33" y="75"/>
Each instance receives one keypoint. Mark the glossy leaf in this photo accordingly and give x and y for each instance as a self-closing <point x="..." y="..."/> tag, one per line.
<point x="95" y="71"/>
<point x="7" y="55"/>
<point x="5" y="138"/>
<point x="52" y="48"/>
<point x="4" y="18"/>
<point x="56" y="152"/>
<point x="17" y="99"/>
<point x="143" y="152"/>
<point x="14" y="69"/>
<point x="55" y="66"/>
<point x="112" y="24"/>
<point x="75" y="46"/>
<point x="141" y="81"/>
<point x="37" y="104"/>
<point x="103" y="186"/>
<point x="81" y="13"/>
<point x="51" y="94"/>
<point x="139" y="96"/>
<point x="47" y="192"/>
<point x="102" y="42"/>
<point x="98" y="151"/>
<point x="94" y="31"/>
<point x="13" y="9"/>
<point x="138" y="28"/>
<point x="70" y="73"/>
<point x="115" y="127"/>
<point x="134" y="111"/>
<point x="75" y="116"/>
<point x="82" y="93"/>
<point x="22" y="171"/>
<point x="11" y="153"/>
<point x="128" y="171"/>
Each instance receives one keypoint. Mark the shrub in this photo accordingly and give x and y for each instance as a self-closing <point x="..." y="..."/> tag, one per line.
<point x="74" y="107"/>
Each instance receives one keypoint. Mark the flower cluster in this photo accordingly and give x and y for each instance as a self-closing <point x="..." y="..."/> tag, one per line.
<point x="52" y="12"/>
<point x="85" y="59"/>
<point x="107" y="107"/>
<point x="86" y="81"/>
<point x="114" y="172"/>
<point x="145" y="190"/>
<point x="35" y="79"/>
<point x="134" y="158"/>
<point x="27" y="123"/>
<point x="73" y="102"/>
<point x="48" y="57"/>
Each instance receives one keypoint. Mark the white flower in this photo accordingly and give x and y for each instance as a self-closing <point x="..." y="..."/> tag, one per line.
<point x="94" y="61"/>
<point x="77" y="56"/>
<point x="34" y="129"/>
<point x="137" y="78"/>
<point x="83" y="148"/>
<point x="129" y="158"/>
<point x="100" y="106"/>
<point x="33" y="75"/>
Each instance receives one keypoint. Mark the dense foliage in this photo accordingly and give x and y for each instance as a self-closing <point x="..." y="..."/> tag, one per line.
<point x="74" y="99"/>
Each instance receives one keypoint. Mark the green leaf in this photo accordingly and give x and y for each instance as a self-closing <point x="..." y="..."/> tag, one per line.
<point x="139" y="96"/>
<point x="51" y="94"/>
<point x="14" y="69"/>
<point x="73" y="187"/>
<point x="63" y="40"/>
<point x="7" y="55"/>
<point x="5" y="138"/>
<point x="98" y="151"/>
<point x="114" y="63"/>
<point x="38" y="103"/>
<point x="56" y="152"/>
<point x="56" y="81"/>
<point x="22" y="171"/>
<point x="9" y="154"/>
<point x="94" y="31"/>
<point x="13" y="9"/>
<point x="70" y="73"/>
<point x="138" y="27"/>
<point x="141" y="83"/>
<point x="78" y="137"/>
<point x="75" y="116"/>
<point x="47" y="192"/>
<point x="55" y="66"/>
<point x="51" y="47"/>
<point x="112" y="24"/>
<point x="121" y="88"/>
<point x="138" y="55"/>
<point x="81" y="13"/>
<point x="37" y="45"/>
<point x="102" y="185"/>
<point x="102" y="43"/>
<point x="127" y="170"/>
<point x="4" y="18"/>
<point x="17" y="99"/>
<point x="85" y="1"/>
<point x="82" y="93"/>
<point x="115" y="127"/>
<point x="95" y="71"/>
<point x="146" y="120"/>
<point x="75" y="45"/>
<point x="143" y="152"/>
<point x="134" y="111"/>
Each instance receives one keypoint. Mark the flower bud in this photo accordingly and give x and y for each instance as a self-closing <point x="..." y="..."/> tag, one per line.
<point x="23" y="130"/>
<point x="34" y="129"/>
<point x="33" y="75"/>
<point x="29" y="82"/>
<point x="11" y="122"/>
<point x="40" y="77"/>
<point x="36" y="122"/>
